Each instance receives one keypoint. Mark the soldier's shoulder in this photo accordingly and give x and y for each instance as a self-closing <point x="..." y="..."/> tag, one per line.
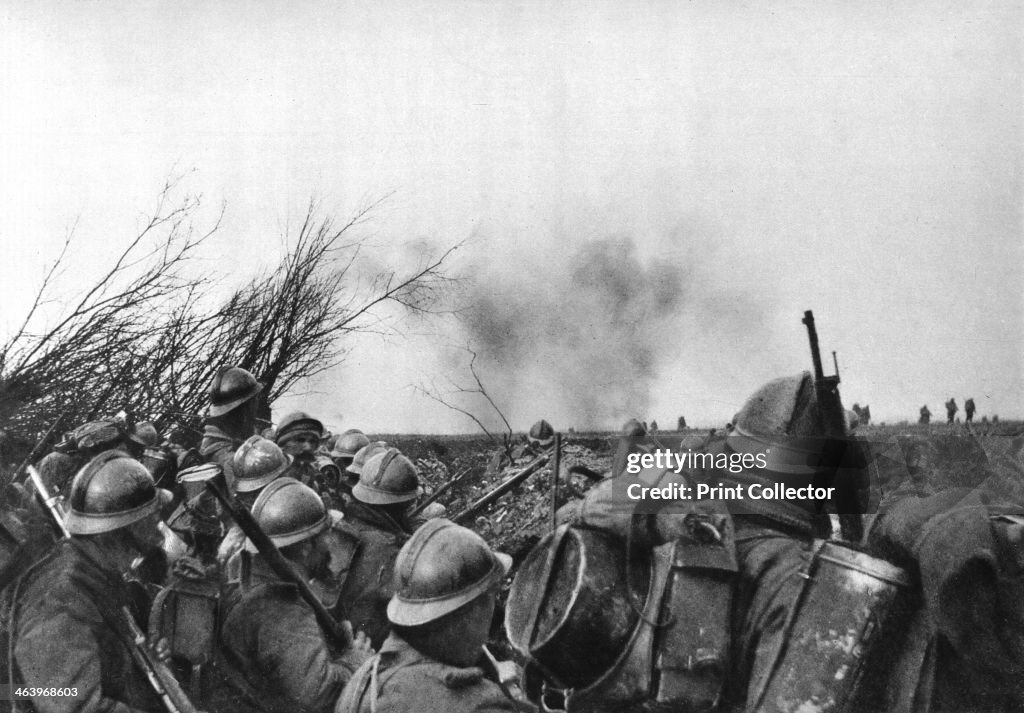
<point x="62" y="581"/>
<point x="437" y="685"/>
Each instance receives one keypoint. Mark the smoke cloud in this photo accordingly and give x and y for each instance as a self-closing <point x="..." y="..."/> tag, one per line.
<point x="580" y="337"/>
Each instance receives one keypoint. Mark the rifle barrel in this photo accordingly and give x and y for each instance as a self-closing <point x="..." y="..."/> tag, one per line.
<point x="812" y="335"/>
<point x="339" y="633"/>
<point x="439" y="492"/>
<point x="507" y="485"/>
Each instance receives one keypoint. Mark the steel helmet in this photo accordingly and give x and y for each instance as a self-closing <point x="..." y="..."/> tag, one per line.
<point x="112" y="491"/>
<point x="364" y="454"/>
<point x="231" y="387"/>
<point x="98" y="435"/>
<point x="782" y="421"/>
<point x="145" y="434"/>
<point x="349" y="443"/>
<point x="388" y="477"/>
<point x="289" y="512"/>
<point x="298" y="423"/>
<point x="440" y="568"/>
<point x="541" y="434"/>
<point x="257" y="462"/>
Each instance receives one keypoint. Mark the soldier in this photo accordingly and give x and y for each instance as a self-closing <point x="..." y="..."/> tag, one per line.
<point x="232" y="417"/>
<point x="256" y="464"/>
<point x="84" y="443"/>
<point x="355" y="468"/>
<point x="377" y="524"/>
<point x="969" y="410"/>
<point x="951" y="409"/>
<point x="446" y="583"/>
<point x="772" y="542"/>
<point x="68" y="626"/>
<point x="347" y="445"/>
<point x="299" y="436"/>
<point x="541" y="435"/>
<point x="274" y="652"/>
<point x="344" y="451"/>
<point x="926" y="415"/>
<point x="736" y="587"/>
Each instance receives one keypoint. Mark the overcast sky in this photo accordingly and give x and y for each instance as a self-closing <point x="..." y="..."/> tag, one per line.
<point x="859" y="159"/>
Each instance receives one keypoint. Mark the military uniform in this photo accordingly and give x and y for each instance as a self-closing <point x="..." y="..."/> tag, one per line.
<point x="399" y="679"/>
<point x="274" y="652"/>
<point x="368" y="584"/>
<point x="218" y="447"/>
<point x="969" y="648"/>
<point x="57" y="469"/>
<point x="769" y="558"/>
<point x="66" y="634"/>
<point x="966" y="648"/>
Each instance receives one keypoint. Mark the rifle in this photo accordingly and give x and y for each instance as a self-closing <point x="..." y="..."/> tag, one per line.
<point x="834" y="452"/>
<point x="34" y="453"/>
<point x="438" y="493"/>
<point x="339" y="633"/>
<point x="826" y="387"/>
<point x="164" y="683"/>
<point x="52" y="503"/>
<point x="160" y="677"/>
<point x="502" y="488"/>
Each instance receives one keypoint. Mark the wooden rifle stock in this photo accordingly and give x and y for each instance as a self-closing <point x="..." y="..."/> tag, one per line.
<point x="161" y="679"/>
<point x="339" y="633"/>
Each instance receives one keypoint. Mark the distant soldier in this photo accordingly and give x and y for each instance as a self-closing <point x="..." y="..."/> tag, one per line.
<point x="232" y="417"/>
<point x="69" y="629"/>
<point x="969" y="410"/>
<point x="654" y="426"/>
<point x="377" y="525"/>
<point x="681" y="423"/>
<point x="275" y="653"/>
<point x="865" y="415"/>
<point x="299" y="436"/>
<point x="446" y="585"/>
<point x="951" y="409"/>
<point x="926" y="415"/>
<point x="541" y="436"/>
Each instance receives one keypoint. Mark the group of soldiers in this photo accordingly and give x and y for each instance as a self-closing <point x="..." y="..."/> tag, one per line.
<point x="354" y="586"/>
<point x="289" y="571"/>
<point x="951" y="411"/>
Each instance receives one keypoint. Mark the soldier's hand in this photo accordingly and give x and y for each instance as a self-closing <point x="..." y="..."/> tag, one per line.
<point x="162" y="649"/>
<point x="361" y="650"/>
<point x="362" y="641"/>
